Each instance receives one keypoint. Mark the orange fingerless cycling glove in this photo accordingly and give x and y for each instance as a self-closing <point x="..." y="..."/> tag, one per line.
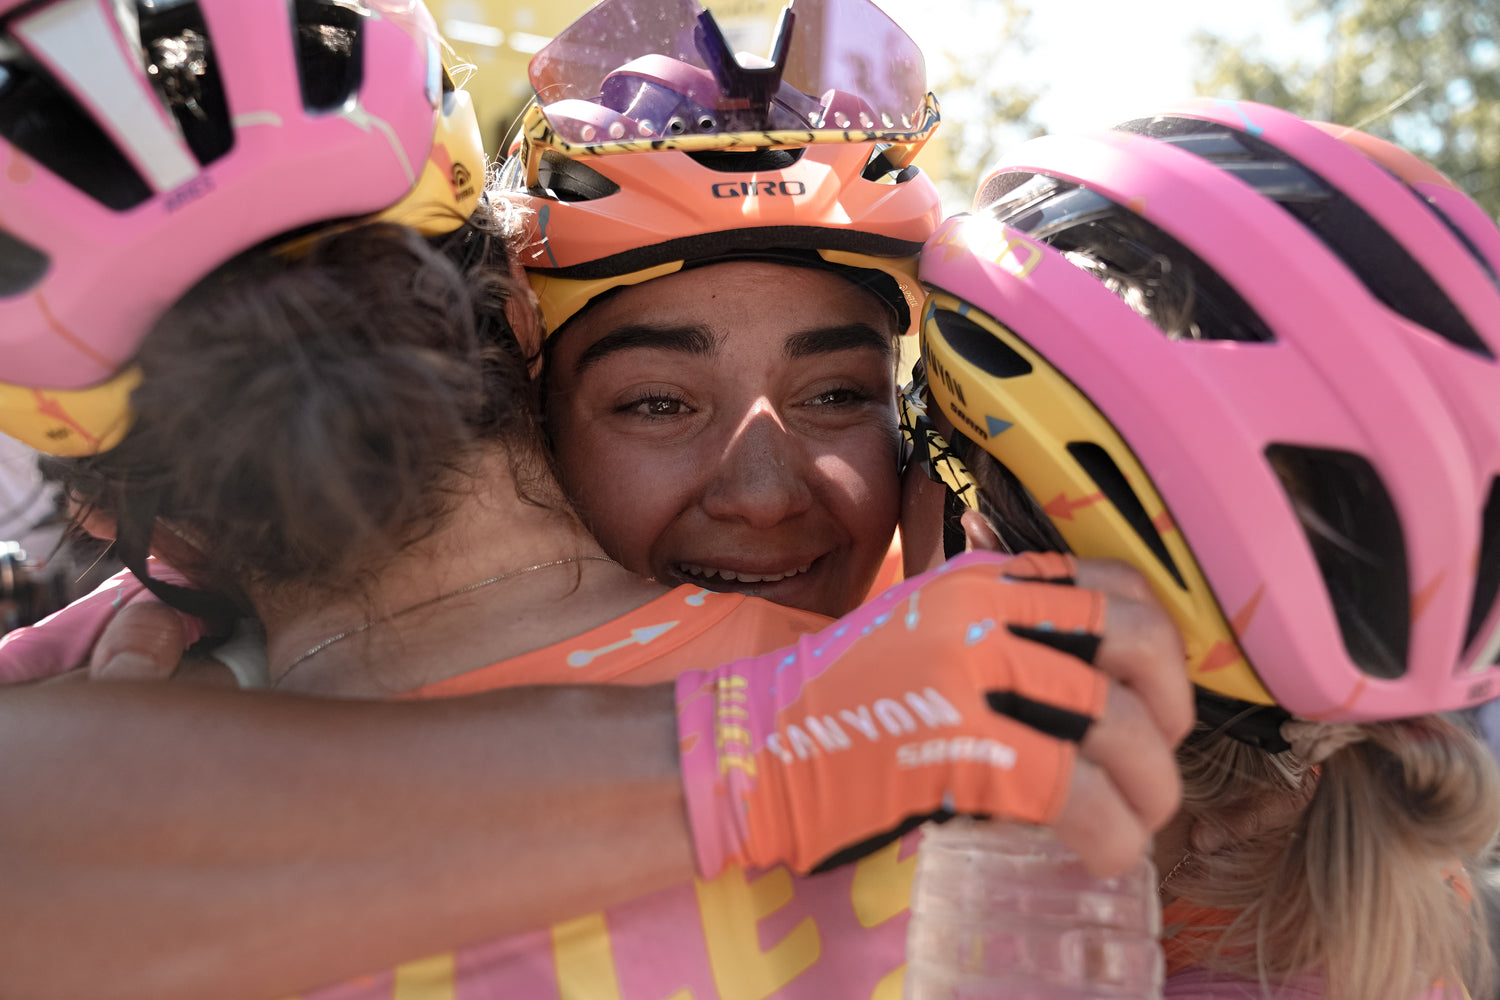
<point x="964" y="689"/>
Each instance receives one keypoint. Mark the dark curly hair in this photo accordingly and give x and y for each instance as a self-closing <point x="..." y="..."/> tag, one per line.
<point x="302" y="418"/>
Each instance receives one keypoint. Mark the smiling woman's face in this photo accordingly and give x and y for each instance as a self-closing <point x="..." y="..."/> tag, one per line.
<point x="733" y="427"/>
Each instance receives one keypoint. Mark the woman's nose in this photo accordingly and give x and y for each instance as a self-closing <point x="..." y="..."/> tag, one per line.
<point x="760" y="478"/>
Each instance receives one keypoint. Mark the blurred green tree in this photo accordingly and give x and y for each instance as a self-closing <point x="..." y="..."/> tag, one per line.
<point x="987" y="103"/>
<point x="1422" y="73"/>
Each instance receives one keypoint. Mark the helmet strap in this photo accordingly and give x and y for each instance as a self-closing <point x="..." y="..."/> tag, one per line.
<point x="1257" y="725"/>
<point x="135" y="524"/>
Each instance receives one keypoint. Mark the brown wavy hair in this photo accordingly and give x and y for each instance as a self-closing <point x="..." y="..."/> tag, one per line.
<point x="302" y="418"/>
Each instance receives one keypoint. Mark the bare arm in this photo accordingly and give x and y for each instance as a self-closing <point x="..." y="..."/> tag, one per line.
<point x="291" y="841"/>
<point x="171" y="841"/>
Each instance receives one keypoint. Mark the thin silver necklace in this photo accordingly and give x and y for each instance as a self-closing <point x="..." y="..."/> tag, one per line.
<point x="1162" y="887"/>
<point x="370" y="623"/>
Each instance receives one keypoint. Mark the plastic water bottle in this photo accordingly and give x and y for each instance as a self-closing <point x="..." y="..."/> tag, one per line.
<point x="1005" y="910"/>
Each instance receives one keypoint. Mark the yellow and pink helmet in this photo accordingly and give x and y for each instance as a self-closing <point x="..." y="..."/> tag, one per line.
<point x="144" y="144"/>
<point x="1309" y="475"/>
<point x="652" y="146"/>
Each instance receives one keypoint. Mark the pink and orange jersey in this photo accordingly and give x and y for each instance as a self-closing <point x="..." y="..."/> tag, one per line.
<point x="745" y="935"/>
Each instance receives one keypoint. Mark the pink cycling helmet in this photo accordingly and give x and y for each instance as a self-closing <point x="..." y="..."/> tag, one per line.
<point x="651" y="148"/>
<point x="143" y="145"/>
<point x="1308" y="470"/>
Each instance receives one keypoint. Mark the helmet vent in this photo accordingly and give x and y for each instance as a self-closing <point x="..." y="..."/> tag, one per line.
<point x="1355" y="535"/>
<point x="1116" y="489"/>
<point x="1487" y="585"/>
<point x="41" y="119"/>
<point x="180" y="63"/>
<point x="881" y="168"/>
<point x="1005" y="193"/>
<point x="1462" y="237"/>
<point x="567" y="179"/>
<point x="746" y="161"/>
<point x="1153" y="272"/>
<point x="21" y="265"/>
<point x="979" y="346"/>
<point x="1377" y="259"/>
<point x="330" y="51"/>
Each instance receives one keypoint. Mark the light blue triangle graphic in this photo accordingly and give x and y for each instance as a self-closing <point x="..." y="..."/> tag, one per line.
<point x="996" y="425"/>
<point x="645" y="635"/>
<point x="638" y="636"/>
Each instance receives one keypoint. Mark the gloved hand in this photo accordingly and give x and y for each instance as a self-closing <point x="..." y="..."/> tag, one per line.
<point x="969" y="690"/>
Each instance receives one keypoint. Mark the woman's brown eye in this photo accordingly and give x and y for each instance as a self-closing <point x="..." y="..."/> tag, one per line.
<point x="837" y="397"/>
<point x="658" y="406"/>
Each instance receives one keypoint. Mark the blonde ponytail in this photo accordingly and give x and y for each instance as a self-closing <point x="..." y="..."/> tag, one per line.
<point x="1358" y="868"/>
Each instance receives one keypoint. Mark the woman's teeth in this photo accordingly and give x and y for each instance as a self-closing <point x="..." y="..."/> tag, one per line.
<point x="710" y="572"/>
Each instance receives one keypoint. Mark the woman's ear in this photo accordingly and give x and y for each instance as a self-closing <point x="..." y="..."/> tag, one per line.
<point x="979" y="534"/>
<point x="1268" y="813"/>
<point x="921" y="521"/>
<point x="98" y="524"/>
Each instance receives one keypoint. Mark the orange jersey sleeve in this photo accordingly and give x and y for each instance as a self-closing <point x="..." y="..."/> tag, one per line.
<point x="684" y="629"/>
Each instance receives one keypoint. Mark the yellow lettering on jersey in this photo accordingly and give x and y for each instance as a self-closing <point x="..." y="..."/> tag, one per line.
<point x="731" y="908"/>
<point x="882" y="885"/>
<point x="889" y="987"/>
<point x="585" y="960"/>
<point x="424" y="979"/>
<point x="732" y="739"/>
<point x="740" y="761"/>
<point x="732" y="733"/>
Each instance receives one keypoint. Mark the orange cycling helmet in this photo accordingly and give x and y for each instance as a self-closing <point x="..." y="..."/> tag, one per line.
<point x="651" y="148"/>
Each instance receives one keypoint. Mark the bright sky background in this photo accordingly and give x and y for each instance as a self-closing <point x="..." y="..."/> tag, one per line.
<point x="1096" y="62"/>
<point x="1102" y="61"/>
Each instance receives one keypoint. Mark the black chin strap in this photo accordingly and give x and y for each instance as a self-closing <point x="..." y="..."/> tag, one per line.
<point x="134" y="525"/>
<point x="1257" y="725"/>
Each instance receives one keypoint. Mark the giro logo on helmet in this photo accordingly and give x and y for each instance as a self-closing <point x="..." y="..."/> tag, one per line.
<point x="462" y="181"/>
<point x="753" y="189"/>
<point x="191" y="191"/>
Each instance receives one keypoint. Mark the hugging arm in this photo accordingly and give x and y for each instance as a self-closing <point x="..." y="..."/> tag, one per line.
<point x="182" y="841"/>
<point x="174" y="841"/>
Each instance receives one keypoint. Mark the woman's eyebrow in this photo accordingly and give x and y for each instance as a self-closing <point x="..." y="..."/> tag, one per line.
<point x="827" y="340"/>
<point x="683" y="339"/>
